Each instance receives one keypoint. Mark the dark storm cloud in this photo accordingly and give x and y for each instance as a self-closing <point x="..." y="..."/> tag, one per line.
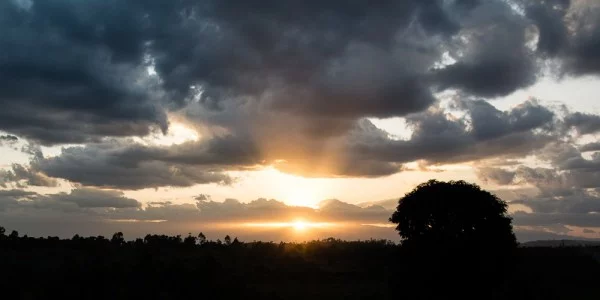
<point x="288" y="81"/>
<point x="72" y="71"/>
<point x="84" y="63"/>
<point x="492" y="57"/>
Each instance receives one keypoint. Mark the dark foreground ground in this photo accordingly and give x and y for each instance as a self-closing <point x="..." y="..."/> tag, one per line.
<point x="169" y="268"/>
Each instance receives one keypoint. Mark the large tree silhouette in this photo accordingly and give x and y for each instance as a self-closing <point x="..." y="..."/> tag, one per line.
<point x="453" y="214"/>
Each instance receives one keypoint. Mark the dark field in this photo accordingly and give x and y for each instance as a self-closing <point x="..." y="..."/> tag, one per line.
<point x="161" y="267"/>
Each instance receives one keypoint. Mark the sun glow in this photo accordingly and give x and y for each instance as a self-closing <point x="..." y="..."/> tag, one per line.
<point x="302" y="197"/>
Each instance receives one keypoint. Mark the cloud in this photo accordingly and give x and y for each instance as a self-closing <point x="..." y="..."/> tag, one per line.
<point x="114" y="165"/>
<point x="496" y="175"/>
<point x="72" y="76"/>
<point x="492" y="56"/>
<point x="568" y="31"/>
<point x="583" y="123"/>
<point x="439" y="137"/>
<point x="76" y="201"/>
<point x="590" y="147"/>
<point x="8" y="140"/>
<point x="92" y="198"/>
<point x="22" y="176"/>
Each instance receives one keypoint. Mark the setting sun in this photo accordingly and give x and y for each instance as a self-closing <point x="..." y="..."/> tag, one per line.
<point x="299" y="225"/>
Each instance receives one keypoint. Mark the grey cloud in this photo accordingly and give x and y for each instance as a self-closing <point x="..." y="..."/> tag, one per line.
<point x="492" y="57"/>
<point x="568" y="31"/>
<point x="95" y="198"/>
<point x="101" y="165"/>
<point x="8" y="140"/>
<point x="582" y="56"/>
<point x="590" y="147"/>
<point x="549" y="19"/>
<point x="583" y="123"/>
<point x="488" y="122"/>
<point x="76" y="201"/>
<point x="549" y="219"/>
<point x="576" y="204"/>
<point x="10" y="198"/>
<point x="496" y="175"/>
<point x="22" y="176"/>
<point x="438" y="137"/>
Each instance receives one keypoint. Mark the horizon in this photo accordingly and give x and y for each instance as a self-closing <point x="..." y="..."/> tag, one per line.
<point x="294" y="120"/>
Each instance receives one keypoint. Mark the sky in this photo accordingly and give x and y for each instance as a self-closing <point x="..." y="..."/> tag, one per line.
<point x="294" y="120"/>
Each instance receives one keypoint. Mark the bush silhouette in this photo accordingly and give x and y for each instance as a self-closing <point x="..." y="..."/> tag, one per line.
<point x="452" y="215"/>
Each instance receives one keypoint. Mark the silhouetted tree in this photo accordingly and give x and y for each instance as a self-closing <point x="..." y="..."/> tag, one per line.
<point x="453" y="214"/>
<point x="14" y="235"/>
<point x="227" y="240"/>
<point x="190" y="240"/>
<point x="201" y="238"/>
<point x="117" y="239"/>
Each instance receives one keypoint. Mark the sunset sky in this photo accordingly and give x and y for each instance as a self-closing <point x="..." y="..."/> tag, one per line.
<point x="293" y="120"/>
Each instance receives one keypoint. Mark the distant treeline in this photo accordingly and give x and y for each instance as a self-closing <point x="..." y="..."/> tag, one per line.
<point x="176" y="267"/>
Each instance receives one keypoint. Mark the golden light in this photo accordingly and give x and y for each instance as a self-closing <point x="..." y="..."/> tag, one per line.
<point x="298" y="225"/>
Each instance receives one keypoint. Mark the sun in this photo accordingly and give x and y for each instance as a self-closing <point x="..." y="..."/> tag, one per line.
<point x="299" y="225"/>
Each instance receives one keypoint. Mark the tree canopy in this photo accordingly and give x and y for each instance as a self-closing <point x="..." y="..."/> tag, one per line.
<point x="453" y="214"/>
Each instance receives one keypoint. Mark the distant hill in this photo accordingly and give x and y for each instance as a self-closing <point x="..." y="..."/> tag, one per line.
<point x="561" y="243"/>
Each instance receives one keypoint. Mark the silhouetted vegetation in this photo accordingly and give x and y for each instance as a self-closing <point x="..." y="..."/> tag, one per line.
<point x="172" y="267"/>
